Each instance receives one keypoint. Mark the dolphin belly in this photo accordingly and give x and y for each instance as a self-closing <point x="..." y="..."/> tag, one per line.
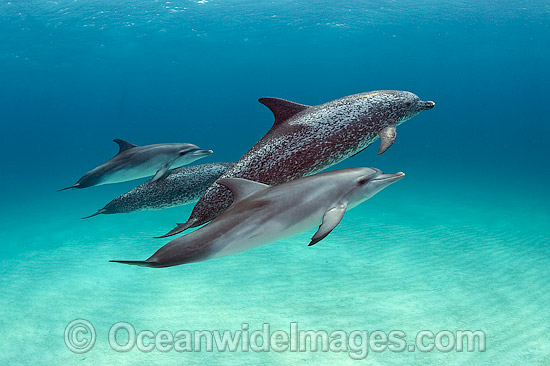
<point x="266" y="227"/>
<point x="141" y="169"/>
<point x="128" y="175"/>
<point x="227" y="236"/>
<point x="266" y="235"/>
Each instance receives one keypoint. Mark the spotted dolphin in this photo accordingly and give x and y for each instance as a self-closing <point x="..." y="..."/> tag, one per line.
<point x="308" y="139"/>
<point x="183" y="186"/>
<point x="261" y="214"/>
<point x="134" y="162"/>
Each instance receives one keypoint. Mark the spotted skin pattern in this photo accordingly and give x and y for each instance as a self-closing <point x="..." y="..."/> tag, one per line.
<point x="183" y="186"/>
<point x="310" y="141"/>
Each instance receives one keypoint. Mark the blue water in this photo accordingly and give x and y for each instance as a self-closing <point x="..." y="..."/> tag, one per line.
<point x="462" y="243"/>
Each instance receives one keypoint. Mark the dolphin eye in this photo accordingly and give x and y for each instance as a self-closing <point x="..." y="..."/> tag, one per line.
<point x="362" y="181"/>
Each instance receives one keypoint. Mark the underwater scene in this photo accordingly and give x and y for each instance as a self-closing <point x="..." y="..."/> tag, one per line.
<point x="235" y="182"/>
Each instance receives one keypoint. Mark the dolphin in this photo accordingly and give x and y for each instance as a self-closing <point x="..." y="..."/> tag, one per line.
<point x="184" y="185"/>
<point x="308" y="139"/>
<point x="261" y="214"/>
<point x="134" y="162"/>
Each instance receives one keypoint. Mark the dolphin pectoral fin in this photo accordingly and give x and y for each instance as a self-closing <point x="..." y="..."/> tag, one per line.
<point x="162" y="173"/>
<point x="241" y="188"/>
<point x="387" y="137"/>
<point x="331" y="219"/>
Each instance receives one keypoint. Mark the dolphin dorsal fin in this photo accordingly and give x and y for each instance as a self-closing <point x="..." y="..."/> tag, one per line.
<point x="282" y="109"/>
<point x="242" y="188"/>
<point x="123" y="145"/>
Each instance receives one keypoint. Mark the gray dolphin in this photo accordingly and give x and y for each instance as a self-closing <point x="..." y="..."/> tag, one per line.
<point x="305" y="140"/>
<point x="134" y="162"/>
<point x="262" y="214"/>
<point x="184" y="185"/>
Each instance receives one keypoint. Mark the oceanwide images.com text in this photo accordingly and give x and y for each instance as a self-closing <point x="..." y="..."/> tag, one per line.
<point x="80" y="337"/>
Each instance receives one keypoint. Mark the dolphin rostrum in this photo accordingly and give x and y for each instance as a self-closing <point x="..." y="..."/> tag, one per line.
<point x="262" y="214"/>
<point x="184" y="185"/>
<point x="305" y="140"/>
<point x="134" y="162"/>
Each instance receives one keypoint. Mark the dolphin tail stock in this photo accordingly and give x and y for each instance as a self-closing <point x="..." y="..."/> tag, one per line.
<point x="74" y="186"/>
<point x="95" y="214"/>
<point x="136" y="263"/>
<point x="179" y="228"/>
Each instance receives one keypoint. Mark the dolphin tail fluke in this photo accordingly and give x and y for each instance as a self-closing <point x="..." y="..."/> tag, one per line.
<point x="179" y="228"/>
<point x="71" y="187"/>
<point x="136" y="263"/>
<point x="97" y="213"/>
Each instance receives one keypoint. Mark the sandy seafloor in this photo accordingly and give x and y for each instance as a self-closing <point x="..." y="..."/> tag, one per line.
<point x="426" y="255"/>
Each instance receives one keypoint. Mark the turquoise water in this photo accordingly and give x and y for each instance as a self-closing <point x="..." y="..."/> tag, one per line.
<point x="461" y="243"/>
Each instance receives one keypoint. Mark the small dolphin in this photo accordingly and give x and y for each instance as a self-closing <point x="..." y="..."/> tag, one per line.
<point x="134" y="162"/>
<point x="262" y="214"/>
<point x="308" y="139"/>
<point x="184" y="185"/>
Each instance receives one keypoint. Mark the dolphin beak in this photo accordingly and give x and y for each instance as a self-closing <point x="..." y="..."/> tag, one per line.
<point x="202" y="152"/>
<point x="389" y="178"/>
<point x="425" y="105"/>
